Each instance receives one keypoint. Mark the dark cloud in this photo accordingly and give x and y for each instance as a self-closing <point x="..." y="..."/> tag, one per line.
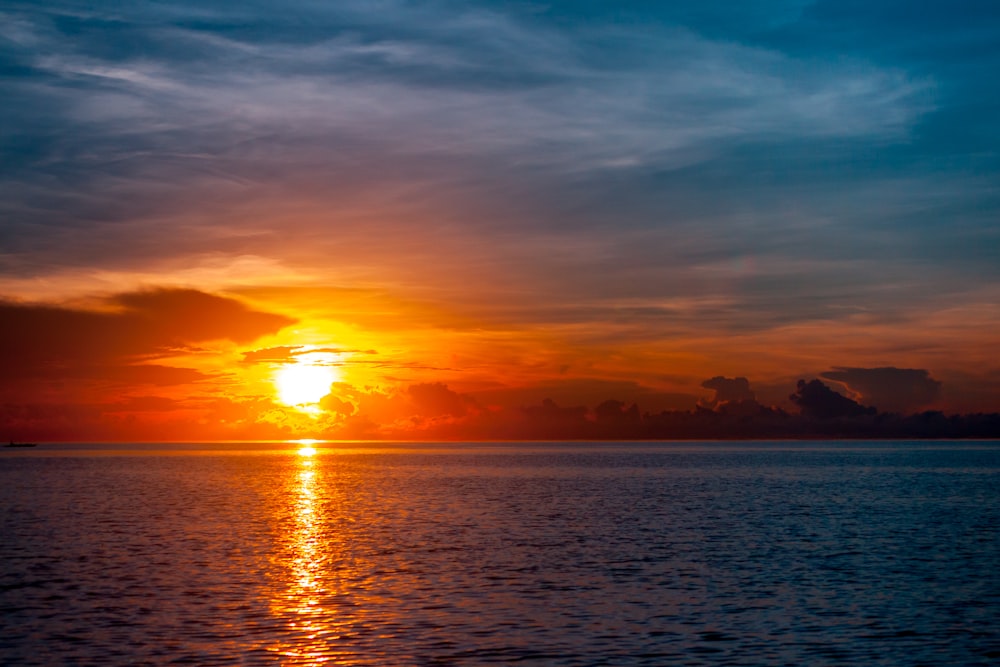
<point x="728" y="390"/>
<point x="818" y="401"/>
<point x="187" y="315"/>
<point x="616" y="413"/>
<point x="58" y="342"/>
<point x="889" y="389"/>
<point x="548" y="411"/>
<point x="585" y="391"/>
<point x="437" y="400"/>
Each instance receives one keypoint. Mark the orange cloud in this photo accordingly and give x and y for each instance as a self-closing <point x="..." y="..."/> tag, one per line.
<point x="43" y="339"/>
<point x="86" y="364"/>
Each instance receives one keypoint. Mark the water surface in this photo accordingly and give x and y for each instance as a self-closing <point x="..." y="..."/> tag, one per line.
<point x="548" y="554"/>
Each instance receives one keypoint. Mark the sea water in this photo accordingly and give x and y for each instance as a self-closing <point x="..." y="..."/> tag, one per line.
<point x="716" y="553"/>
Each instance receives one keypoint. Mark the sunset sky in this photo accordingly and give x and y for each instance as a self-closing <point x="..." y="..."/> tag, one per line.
<point x="387" y="219"/>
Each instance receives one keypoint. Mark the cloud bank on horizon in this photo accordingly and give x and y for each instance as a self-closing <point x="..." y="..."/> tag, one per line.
<point x="568" y="200"/>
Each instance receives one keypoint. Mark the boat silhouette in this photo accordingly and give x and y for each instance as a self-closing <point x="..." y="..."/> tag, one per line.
<point x="21" y="444"/>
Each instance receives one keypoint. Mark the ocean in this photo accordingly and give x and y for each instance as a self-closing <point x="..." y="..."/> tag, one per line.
<point x="693" y="553"/>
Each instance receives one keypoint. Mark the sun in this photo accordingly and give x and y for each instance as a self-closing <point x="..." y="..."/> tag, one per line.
<point x="301" y="384"/>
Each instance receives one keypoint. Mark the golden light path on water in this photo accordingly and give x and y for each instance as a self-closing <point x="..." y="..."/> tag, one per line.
<point x="306" y="557"/>
<point x="323" y="593"/>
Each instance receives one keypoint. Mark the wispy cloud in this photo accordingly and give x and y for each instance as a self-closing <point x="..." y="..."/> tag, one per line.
<point x="164" y="119"/>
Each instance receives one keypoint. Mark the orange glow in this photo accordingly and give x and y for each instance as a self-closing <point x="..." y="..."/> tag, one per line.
<point x="368" y="364"/>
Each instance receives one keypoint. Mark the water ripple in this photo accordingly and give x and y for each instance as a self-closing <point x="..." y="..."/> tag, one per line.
<point x="643" y="555"/>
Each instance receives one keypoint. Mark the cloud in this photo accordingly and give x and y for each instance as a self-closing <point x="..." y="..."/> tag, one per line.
<point x="548" y="420"/>
<point x="614" y="412"/>
<point x="890" y="389"/>
<point x="109" y="343"/>
<point x="818" y="401"/>
<point x="337" y="406"/>
<point x="423" y="108"/>
<point x="728" y="390"/>
<point x="279" y="355"/>
<point x="548" y="412"/>
<point x="585" y="391"/>
<point x="188" y="315"/>
<point x="146" y="404"/>
<point x="437" y="400"/>
<point x="284" y="354"/>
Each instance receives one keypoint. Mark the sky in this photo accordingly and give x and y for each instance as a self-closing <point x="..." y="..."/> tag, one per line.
<point x="419" y="219"/>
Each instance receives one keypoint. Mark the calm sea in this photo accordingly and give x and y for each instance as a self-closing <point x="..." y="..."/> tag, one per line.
<point x="530" y="554"/>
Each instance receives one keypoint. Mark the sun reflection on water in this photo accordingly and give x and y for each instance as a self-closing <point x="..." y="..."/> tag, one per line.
<point x="327" y="597"/>
<point x="301" y="604"/>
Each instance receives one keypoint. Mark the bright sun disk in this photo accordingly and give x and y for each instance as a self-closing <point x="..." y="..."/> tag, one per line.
<point x="302" y="384"/>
